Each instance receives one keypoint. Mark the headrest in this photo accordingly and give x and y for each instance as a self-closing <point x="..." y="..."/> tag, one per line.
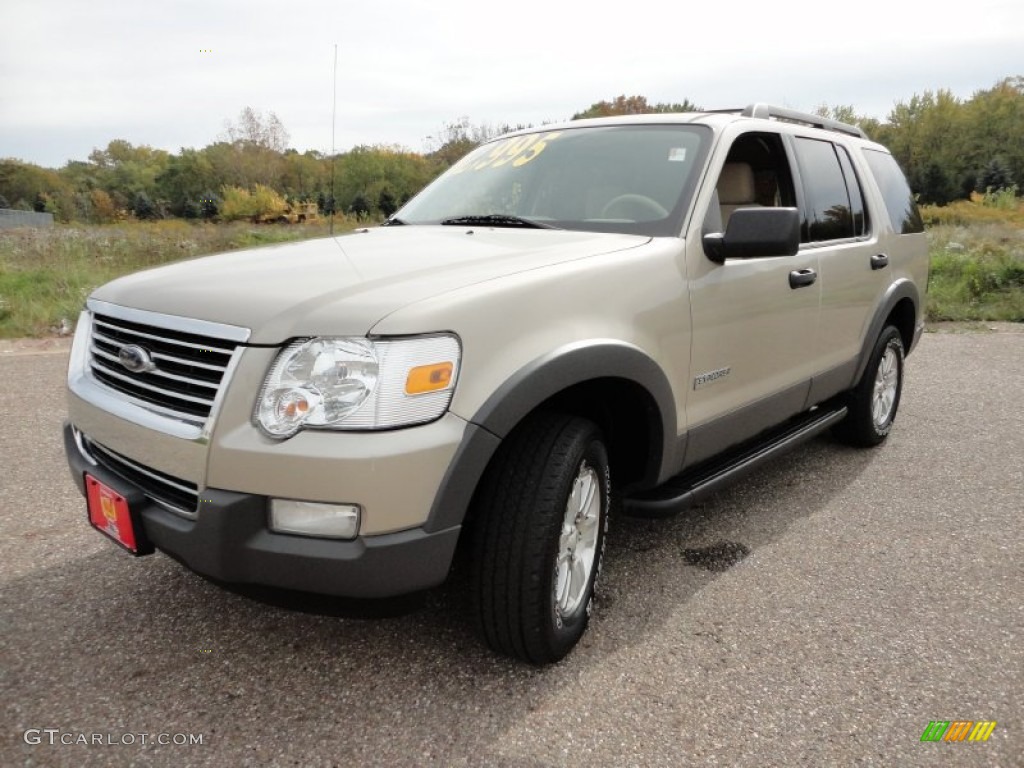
<point x="736" y="184"/>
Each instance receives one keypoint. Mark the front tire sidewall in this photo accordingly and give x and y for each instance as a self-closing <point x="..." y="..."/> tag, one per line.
<point x="565" y="631"/>
<point x="517" y="524"/>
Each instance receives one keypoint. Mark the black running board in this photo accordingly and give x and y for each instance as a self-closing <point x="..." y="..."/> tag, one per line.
<point x="689" y="487"/>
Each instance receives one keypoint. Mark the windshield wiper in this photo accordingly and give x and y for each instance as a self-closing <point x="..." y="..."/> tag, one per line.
<point x="497" y="220"/>
<point x="394" y="221"/>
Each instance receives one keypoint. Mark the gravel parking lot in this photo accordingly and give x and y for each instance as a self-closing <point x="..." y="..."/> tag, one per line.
<point x="820" y="614"/>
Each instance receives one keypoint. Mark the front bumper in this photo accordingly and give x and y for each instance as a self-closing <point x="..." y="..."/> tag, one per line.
<point x="229" y="540"/>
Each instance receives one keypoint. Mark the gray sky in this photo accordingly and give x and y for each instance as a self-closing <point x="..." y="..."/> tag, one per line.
<point x="75" y="74"/>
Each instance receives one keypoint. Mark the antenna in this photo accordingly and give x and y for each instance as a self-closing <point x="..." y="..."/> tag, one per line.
<point x="334" y="119"/>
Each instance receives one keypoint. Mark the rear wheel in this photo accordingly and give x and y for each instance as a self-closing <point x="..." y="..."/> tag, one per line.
<point x="873" y="402"/>
<point x="540" y="520"/>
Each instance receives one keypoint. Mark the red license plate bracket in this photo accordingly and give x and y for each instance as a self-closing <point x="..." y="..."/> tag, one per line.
<point x="111" y="513"/>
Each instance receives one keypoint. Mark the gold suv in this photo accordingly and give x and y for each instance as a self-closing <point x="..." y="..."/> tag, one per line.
<point x="644" y="306"/>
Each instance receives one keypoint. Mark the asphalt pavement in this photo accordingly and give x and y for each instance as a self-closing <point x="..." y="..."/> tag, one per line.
<point x="822" y="613"/>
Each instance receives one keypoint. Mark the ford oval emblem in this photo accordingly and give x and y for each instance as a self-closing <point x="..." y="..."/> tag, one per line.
<point x="135" y="359"/>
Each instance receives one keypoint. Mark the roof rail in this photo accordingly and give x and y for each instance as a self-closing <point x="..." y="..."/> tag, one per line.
<point x="768" y="112"/>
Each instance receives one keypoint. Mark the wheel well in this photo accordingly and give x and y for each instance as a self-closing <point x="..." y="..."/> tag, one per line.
<point x="628" y="418"/>
<point x="902" y="317"/>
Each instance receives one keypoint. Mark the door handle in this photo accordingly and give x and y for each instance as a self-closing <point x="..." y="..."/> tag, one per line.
<point x="879" y="261"/>
<point x="799" y="278"/>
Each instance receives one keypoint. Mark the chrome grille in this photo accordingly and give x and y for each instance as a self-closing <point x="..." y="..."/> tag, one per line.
<point x="187" y="367"/>
<point x="174" y="493"/>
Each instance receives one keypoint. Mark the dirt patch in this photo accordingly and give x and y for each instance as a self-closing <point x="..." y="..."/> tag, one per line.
<point x="974" y="326"/>
<point x="51" y="345"/>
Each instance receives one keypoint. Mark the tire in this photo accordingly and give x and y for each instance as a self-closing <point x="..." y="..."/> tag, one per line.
<point x="539" y="524"/>
<point x="873" y="402"/>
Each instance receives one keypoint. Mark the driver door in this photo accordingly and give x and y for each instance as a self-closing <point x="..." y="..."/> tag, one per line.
<point x="754" y="321"/>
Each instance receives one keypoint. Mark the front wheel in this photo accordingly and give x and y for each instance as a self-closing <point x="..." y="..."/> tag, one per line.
<point x="540" y="519"/>
<point x="873" y="402"/>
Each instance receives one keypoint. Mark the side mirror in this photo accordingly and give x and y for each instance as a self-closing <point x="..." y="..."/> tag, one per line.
<point x="754" y="233"/>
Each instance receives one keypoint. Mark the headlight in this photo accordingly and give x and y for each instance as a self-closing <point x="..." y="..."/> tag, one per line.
<point x="358" y="384"/>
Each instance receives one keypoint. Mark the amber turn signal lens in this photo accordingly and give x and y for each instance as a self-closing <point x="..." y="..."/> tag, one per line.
<point x="428" y="378"/>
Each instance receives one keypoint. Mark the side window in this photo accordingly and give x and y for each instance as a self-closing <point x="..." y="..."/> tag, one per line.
<point x="899" y="200"/>
<point x="860" y="222"/>
<point x="756" y="174"/>
<point x="828" y="214"/>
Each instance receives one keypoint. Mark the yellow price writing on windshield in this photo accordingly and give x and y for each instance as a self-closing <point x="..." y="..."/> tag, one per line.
<point x="518" y="150"/>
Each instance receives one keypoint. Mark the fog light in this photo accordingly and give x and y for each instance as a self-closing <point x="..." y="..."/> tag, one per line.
<point x="307" y="518"/>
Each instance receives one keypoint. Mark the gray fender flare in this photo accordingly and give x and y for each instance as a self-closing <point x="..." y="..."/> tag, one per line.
<point x="899" y="290"/>
<point x="530" y="386"/>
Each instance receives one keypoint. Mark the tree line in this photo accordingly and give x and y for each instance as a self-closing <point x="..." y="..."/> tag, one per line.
<point x="949" y="147"/>
<point x="249" y="169"/>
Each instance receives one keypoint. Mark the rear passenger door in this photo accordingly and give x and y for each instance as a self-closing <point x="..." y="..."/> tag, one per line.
<point x="852" y="268"/>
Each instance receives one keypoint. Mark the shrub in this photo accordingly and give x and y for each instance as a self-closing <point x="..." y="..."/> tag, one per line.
<point x="209" y="205"/>
<point x="143" y="207"/>
<point x="995" y="207"/>
<point x="261" y="203"/>
<point x="360" y="207"/>
<point x="104" y="210"/>
<point x="995" y="176"/>
<point x="386" y="202"/>
<point x="1003" y="199"/>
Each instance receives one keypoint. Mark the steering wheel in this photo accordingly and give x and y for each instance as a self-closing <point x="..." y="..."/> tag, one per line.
<point x="632" y="206"/>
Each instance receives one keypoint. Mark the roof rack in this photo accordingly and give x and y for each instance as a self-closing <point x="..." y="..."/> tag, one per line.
<point x="768" y="112"/>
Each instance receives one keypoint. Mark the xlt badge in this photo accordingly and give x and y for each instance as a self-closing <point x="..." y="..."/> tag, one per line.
<point x="710" y="377"/>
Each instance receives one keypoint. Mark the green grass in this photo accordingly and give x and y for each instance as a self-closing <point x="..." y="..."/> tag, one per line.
<point x="977" y="272"/>
<point x="46" y="274"/>
<point x="977" y="262"/>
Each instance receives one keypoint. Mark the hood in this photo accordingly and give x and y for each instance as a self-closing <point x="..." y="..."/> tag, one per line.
<point x="345" y="285"/>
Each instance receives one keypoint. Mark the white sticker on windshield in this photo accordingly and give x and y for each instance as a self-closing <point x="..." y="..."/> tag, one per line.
<point x="677" y="155"/>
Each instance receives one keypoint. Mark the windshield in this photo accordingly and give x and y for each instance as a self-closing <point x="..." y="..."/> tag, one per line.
<point x="634" y="179"/>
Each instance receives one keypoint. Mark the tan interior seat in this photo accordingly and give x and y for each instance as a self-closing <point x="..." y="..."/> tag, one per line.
<point x="736" y="189"/>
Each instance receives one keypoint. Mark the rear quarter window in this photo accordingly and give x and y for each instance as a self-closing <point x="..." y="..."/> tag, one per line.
<point x="899" y="200"/>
